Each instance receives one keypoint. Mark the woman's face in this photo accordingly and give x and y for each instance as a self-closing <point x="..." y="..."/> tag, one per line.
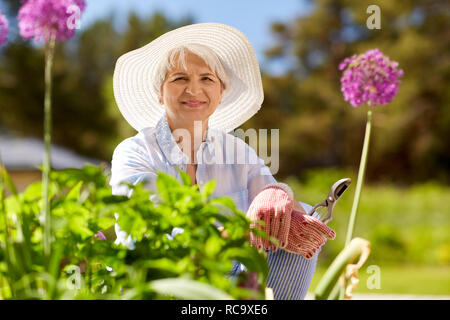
<point x="191" y="94"/>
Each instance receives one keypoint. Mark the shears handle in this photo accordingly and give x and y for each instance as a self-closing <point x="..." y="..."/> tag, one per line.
<point x="335" y="193"/>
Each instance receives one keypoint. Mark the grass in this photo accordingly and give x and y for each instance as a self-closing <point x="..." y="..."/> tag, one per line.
<point x="405" y="225"/>
<point x="408" y="228"/>
<point x="400" y="279"/>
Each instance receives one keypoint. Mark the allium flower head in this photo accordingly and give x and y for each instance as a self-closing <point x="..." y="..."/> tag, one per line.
<point x="369" y="78"/>
<point x="3" y="29"/>
<point x="39" y="19"/>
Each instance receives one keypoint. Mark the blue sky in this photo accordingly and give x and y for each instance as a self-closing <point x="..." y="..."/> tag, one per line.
<point x="251" y="17"/>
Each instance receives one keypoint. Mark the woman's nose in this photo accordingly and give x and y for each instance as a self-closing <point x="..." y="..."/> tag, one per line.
<point x="193" y="87"/>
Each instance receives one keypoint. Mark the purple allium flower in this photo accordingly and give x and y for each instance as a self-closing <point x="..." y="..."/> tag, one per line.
<point x="3" y="29"/>
<point x="369" y="78"/>
<point x="39" y="19"/>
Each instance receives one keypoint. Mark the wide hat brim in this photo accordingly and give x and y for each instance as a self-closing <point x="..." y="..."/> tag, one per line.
<point x="138" y="100"/>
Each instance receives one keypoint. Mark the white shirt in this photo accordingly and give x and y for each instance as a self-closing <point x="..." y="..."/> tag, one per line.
<point x="239" y="173"/>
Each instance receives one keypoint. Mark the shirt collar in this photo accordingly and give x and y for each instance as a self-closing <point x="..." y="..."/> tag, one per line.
<point x="169" y="146"/>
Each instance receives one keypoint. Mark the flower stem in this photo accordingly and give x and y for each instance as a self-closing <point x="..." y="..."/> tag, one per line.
<point x="362" y="169"/>
<point x="50" y="47"/>
<point x="326" y="288"/>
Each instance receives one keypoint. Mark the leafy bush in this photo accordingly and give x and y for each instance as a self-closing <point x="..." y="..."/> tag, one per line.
<point x="161" y="265"/>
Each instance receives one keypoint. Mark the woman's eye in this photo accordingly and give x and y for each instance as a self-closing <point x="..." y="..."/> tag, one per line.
<point x="180" y="78"/>
<point x="207" y="78"/>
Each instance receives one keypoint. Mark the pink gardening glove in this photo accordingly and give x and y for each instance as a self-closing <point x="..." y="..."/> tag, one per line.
<point x="273" y="205"/>
<point x="307" y="234"/>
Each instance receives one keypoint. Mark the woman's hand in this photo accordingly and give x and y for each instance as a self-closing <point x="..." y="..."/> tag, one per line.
<point x="287" y="221"/>
<point x="307" y="234"/>
<point x="272" y="205"/>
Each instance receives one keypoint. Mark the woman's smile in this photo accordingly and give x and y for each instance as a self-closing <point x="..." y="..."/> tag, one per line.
<point x="194" y="103"/>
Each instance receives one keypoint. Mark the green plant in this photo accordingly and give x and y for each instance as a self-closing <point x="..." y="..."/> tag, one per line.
<point x="332" y="282"/>
<point x="81" y="267"/>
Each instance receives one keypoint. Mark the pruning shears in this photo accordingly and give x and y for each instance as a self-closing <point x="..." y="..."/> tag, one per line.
<point x="335" y="193"/>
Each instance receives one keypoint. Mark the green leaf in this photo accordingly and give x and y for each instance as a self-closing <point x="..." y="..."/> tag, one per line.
<point x="166" y="185"/>
<point x="188" y="289"/>
<point x="162" y="264"/>
<point x="208" y="188"/>
<point x="187" y="181"/>
<point x="105" y="222"/>
<point x="78" y="226"/>
<point x="12" y="204"/>
<point x="114" y="199"/>
<point x="166" y="180"/>
<point x="226" y="206"/>
<point x="67" y="177"/>
<point x="24" y="225"/>
<point x="213" y="246"/>
<point x="74" y="194"/>
<point x="224" y="201"/>
<point x="33" y="191"/>
<point x="132" y="224"/>
<point x="55" y="258"/>
<point x="7" y="181"/>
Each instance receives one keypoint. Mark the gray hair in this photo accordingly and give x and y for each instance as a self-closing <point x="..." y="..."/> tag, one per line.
<point x="204" y="52"/>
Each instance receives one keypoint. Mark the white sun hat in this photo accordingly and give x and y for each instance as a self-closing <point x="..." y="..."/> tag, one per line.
<point x="138" y="100"/>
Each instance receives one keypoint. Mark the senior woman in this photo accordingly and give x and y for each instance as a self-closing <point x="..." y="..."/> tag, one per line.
<point x="183" y="93"/>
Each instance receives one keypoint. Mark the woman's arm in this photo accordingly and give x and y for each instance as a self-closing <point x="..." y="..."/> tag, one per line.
<point x="290" y="274"/>
<point x="130" y="163"/>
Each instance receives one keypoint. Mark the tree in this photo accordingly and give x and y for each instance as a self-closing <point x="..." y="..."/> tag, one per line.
<point x="85" y="117"/>
<point x="318" y="128"/>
